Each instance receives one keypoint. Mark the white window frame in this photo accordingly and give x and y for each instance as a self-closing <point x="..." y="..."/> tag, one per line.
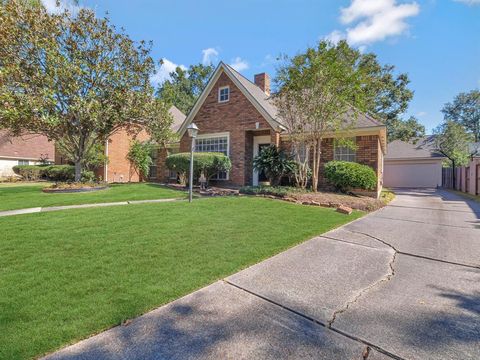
<point x="345" y="152"/>
<point x="217" y="135"/>
<point x="23" y="162"/>
<point x="220" y="92"/>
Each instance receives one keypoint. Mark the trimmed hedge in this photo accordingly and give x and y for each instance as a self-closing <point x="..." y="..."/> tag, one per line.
<point x="209" y="163"/>
<point x="346" y="175"/>
<point x="60" y="173"/>
<point x="30" y="172"/>
<point x="49" y="172"/>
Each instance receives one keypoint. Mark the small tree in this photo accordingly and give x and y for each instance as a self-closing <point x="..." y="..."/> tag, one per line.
<point x="452" y="140"/>
<point x="73" y="78"/>
<point x="321" y="92"/>
<point x="274" y="163"/>
<point x="140" y="156"/>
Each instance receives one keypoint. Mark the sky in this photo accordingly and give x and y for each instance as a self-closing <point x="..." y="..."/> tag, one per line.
<point x="436" y="42"/>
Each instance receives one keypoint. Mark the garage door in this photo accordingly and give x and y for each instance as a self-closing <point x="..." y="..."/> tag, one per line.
<point x="411" y="174"/>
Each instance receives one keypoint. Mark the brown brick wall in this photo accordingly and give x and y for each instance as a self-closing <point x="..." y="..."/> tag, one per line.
<point x="237" y="117"/>
<point x="119" y="168"/>
<point x="368" y="153"/>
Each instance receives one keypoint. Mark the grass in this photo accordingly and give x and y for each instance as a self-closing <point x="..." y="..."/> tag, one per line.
<point x="69" y="274"/>
<point x="15" y="196"/>
<point x="387" y="195"/>
<point x="466" y="195"/>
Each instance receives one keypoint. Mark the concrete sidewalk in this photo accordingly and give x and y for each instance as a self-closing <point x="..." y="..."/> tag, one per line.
<point x="368" y="290"/>
<point x="82" y="206"/>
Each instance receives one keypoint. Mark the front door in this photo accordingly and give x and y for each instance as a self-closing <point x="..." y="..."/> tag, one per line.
<point x="259" y="142"/>
<point x="261" y="174"/>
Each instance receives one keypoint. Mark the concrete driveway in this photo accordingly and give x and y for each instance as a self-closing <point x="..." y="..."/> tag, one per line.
<point x="402" y="283"/>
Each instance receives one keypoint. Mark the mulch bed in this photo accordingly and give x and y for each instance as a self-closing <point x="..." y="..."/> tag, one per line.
<point x="325" y="199"/>
<point x="335" y="200"/>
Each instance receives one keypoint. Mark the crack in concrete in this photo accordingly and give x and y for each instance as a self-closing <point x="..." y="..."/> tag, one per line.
<point x="426" y="223"/>
<point x="369" y="345"/>
<point x="385" y="278"/>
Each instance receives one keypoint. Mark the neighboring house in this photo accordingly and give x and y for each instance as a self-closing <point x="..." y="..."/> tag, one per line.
<point x="237" y="117"/>
<point x="118" y="167"/>
<point x="23" y="150"/>
<point x="413" y="164"/>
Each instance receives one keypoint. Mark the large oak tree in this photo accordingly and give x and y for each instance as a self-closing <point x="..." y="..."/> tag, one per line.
<point x="74" y="78"/>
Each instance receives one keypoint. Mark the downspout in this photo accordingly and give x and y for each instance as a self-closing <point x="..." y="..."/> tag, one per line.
<point x="106" y="163"/>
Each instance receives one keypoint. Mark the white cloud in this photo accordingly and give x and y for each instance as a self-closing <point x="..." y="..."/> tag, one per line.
<point x="209" y="55"/>
<point x="51" y="6"/>
<point x="335" y="36"/>
<point x="163" y="72"/>
<point x="421" y="114"/>
<point x="239" y="64"/>
<point x="374" y="20"/>
<point x="469" y="2"/>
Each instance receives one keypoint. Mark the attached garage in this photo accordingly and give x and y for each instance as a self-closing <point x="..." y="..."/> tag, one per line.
<point x="413" y="164"/>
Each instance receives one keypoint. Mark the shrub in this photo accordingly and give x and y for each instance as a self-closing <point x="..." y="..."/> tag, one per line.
<point x="274" y="163"/>
<point x="60" y="172"/>
<point x="88" y="176"/>
<point x="30" y="172"/>
<point x="140" y="155"/>
<point x="346" y="175"/>
<point x="209" y="163"/>
<point x="280" y="191"/>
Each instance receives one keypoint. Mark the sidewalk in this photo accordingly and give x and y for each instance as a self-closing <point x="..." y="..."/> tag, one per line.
<point x="82" y="206"/>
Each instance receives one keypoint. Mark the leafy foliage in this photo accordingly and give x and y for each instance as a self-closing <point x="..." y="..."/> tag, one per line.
<point x="280" y="191"/>
<point x="405" y="130"/>
<point x="185" y="86"/>
<point x="274" y="163"/>
<point x="140" y="156"/>
<point x="346" y="175"/>
<point x="207" y="163"/>
<point x="465" y="110"/>
<point x="30" y="172"/>
<point x="73" y="78"/>
<point x="452" y="140"/>
<point x="49" y="172"/>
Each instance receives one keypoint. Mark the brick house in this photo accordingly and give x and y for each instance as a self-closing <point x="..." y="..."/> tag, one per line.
<point x="118" y="168"/>
<point x="23" y="150"/>
<point x="237" y="117"/>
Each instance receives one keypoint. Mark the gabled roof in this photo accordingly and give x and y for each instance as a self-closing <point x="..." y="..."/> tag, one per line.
<point x="262" y="102"/>
<point x="421" y="148"/>
<point x="251" y="91"/>
<point x="178" y="118"/>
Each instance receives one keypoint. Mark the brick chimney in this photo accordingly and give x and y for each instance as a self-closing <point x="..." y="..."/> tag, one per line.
<point x="263" y="82"/>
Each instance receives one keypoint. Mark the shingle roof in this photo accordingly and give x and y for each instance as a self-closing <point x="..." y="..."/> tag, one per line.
<point x="363" y="120"/>
<point x="262" y="98"/>
<point x="178" y="118"/>
<point x="422" y="148"/>
<point x="25" y="147"/>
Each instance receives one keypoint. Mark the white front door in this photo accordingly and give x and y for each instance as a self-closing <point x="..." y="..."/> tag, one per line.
<point x="258" y="142"/>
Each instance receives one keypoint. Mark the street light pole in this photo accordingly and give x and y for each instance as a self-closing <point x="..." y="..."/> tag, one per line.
<point x="192" y="132"/>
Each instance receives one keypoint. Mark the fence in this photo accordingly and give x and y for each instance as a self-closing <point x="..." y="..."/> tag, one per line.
<point x="467" y="178"/>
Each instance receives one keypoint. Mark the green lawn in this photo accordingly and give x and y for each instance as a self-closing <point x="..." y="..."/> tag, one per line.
<point x="14" y="196"/>
<point x="68" y="274"/>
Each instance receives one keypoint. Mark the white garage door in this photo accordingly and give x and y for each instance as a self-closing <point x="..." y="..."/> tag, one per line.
<point x="412" y="174"/>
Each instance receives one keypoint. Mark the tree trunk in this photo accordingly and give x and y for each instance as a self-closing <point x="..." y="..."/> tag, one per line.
<point x="315" y="167"/>
<point x="453" y="176"/>
<point x="78" y="170"/>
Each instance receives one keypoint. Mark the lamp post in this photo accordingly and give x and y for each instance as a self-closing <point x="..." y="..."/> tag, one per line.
<point x="192" y="132"/>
